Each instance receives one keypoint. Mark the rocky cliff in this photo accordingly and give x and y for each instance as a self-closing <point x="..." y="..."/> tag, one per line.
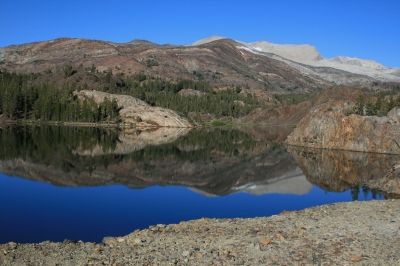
<point x="139" y="113"/>
<point x="328" y="126"/>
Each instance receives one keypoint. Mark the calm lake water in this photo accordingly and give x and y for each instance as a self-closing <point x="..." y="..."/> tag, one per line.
<point x="61" y="183"/>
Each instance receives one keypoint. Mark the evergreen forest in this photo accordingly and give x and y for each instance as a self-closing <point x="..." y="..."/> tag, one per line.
<point x="47" y="97"/>
<point x="380" y="107"/>
<point x="23" y="97"/>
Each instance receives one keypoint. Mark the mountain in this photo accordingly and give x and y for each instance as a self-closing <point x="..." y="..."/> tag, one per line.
<point x="308" y="58"/>
<point x="258" y="66"/>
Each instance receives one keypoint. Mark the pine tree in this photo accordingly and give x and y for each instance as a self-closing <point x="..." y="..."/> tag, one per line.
<point x="359" y="108"/>
<point x="378" y="104"/>
<point x="370" y="108"/>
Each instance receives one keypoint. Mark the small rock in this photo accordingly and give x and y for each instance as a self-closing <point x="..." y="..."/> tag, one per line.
<point x="67" y="241"/>
<point x="120" y="239"/>
<point x="185" y="253"/>
<point x="265" y="241"/>
<point x="199" y="255"/>
<point x="138" y="241"/>
<point x="108" y="240"/>
<point x="355" y="259"/>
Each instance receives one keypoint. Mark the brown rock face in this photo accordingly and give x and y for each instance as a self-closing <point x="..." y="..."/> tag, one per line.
<point x="137" y="112"/>
<point x="328" y="126"/>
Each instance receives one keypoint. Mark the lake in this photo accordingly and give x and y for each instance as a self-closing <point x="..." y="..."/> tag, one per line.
<point x="82" y="183"/>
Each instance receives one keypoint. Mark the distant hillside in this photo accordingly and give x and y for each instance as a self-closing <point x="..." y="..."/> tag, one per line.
<point x="309" y="58"/>
<point x="260" y="66"/>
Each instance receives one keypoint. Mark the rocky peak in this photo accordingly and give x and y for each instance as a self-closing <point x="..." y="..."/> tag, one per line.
<point x="207" y="40"/>
<point x="303" y="53"/>
<point x="357" y="62"/>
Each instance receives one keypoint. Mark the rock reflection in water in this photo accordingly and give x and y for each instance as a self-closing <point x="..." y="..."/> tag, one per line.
<point x="335" y="170"/>
<point x="130" y="140"/>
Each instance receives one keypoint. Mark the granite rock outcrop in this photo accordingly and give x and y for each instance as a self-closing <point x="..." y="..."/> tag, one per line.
<point x="329" y="126"/>
<point x="137" y="112"/>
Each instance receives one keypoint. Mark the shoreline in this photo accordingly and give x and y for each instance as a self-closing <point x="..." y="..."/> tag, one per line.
<point x="347" y="233"/>
<point x="205" y="123"/>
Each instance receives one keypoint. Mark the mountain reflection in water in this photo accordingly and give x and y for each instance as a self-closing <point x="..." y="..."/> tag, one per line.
<point x="95" y="182"/>
<point x="215" y="161"/>
<point x="210" y="161"/>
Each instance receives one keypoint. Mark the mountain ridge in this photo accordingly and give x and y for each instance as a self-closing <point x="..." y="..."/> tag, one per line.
<point x="218" y="60"/>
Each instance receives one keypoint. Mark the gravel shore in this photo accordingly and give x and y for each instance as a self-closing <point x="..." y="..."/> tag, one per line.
<point x="359" y="233"/>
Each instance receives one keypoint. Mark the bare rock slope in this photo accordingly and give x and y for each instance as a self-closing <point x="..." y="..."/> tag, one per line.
<point x="137" y="112"/>
<point x="328" y="126"/>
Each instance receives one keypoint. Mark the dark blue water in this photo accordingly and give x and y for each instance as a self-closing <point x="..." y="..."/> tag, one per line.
<point x="84" y="184"/>
<point x="33" y="211"/>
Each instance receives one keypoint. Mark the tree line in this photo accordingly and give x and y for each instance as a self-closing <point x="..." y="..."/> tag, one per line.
<point x="380" y="107"/>
<point x="21" y="99"/>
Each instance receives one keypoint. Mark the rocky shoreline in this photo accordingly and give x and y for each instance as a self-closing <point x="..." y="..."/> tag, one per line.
<point x="359" y="233"/>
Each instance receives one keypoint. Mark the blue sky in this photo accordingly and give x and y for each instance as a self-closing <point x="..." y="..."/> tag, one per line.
<point x="366" y="29"/>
